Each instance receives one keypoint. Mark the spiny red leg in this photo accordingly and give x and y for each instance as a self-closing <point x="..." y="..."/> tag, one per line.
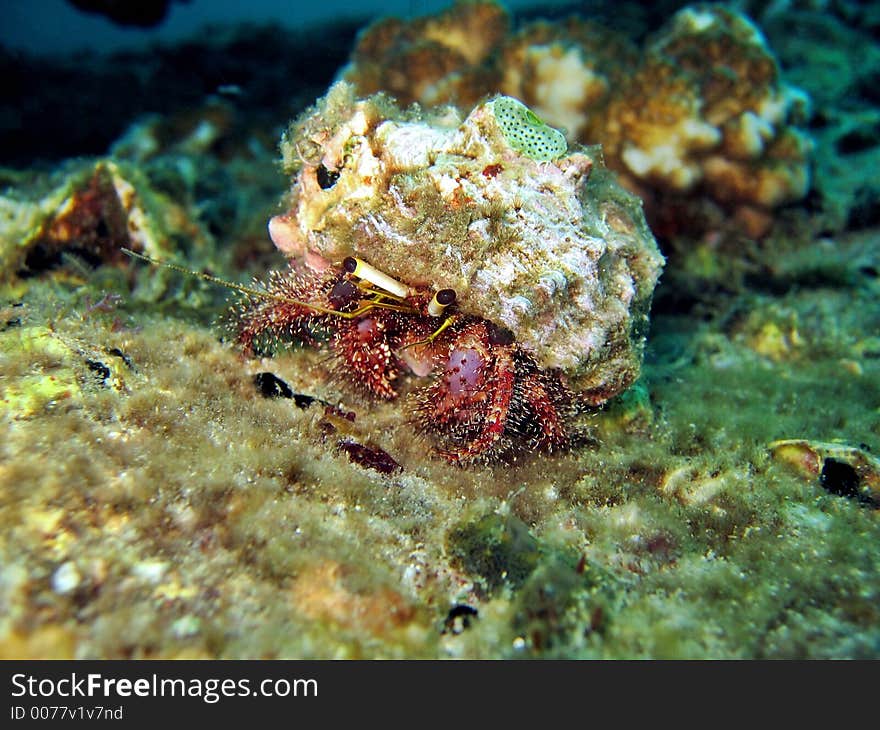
<point x="274" y="321"/>
<point x="492" y="400"/>
<point x="276" y="317"/>
<point x="453" y="405"/>
<point x="538" y="414"/>
<point x="364" y="355"/>
<point x="471" y="404"/>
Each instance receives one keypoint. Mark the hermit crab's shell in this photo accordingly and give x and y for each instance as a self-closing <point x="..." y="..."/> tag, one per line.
<point x="530" y="234"/>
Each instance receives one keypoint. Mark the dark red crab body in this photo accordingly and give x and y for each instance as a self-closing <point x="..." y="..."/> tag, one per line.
<point x="486" y="399"/>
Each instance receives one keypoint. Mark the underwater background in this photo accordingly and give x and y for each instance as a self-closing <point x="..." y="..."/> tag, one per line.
<point x="688" y="470"/>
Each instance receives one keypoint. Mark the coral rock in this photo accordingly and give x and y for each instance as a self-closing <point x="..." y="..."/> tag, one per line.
<point x="447" y="58"/>
<point x="844" y="470"/>
<point x="707" y="107"/>
<point x="565" y="71"/>
<point x="92" y="209"/>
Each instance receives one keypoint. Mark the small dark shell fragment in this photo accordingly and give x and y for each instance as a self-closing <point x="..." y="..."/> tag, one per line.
<point x="271" y="386"/>
<point x="369" y="457"/>
<point x="116" y="352"/>
<point x="303" y="401"/>
<point x="459" y="618"/>
<point x="101" y="371"/>
<point x="846" y="471"/>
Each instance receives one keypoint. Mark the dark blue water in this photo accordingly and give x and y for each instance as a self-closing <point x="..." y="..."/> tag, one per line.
<point x="54" y="26"/>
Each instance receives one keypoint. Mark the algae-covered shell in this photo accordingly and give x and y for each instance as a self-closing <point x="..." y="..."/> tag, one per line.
<point x="842" y="469"/>
<point x="532" y="235"/>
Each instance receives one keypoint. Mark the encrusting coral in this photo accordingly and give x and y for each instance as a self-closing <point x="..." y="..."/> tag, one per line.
<point x="566" y="71"/>
<point x="706" y="111"/>
<point x="445" y="58"/>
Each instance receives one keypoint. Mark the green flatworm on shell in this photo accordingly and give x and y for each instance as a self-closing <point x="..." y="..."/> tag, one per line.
<point x="525" y="132"/>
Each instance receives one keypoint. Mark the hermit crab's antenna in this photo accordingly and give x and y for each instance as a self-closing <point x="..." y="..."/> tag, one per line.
<point x="365" y="306"/>
<point x="251" y="291"/>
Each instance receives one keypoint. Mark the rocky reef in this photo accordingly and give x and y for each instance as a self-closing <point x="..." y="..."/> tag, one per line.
<point x="90" y="210"/>
<point x="165" y="494"/>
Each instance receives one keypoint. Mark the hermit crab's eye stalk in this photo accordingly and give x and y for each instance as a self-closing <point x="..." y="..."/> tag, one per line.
<point x="362" y="270"/>
<point x="442" y="299"/>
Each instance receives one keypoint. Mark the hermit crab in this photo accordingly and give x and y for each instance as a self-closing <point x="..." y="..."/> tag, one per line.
<point x="485" y="400"/>
<point x="509" y="271"/>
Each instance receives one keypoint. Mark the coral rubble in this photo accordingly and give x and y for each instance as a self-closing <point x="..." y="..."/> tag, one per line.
<point x="566" y="71"/>
<point x="91" y="209"/>
<point x="706" y="109"/>
<point x="446" y="58"/>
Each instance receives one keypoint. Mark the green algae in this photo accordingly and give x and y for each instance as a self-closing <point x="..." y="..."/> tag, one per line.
<point x="50" y="378"/>
<point x="497" y="548"/>
<point x="564" y="607"/>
